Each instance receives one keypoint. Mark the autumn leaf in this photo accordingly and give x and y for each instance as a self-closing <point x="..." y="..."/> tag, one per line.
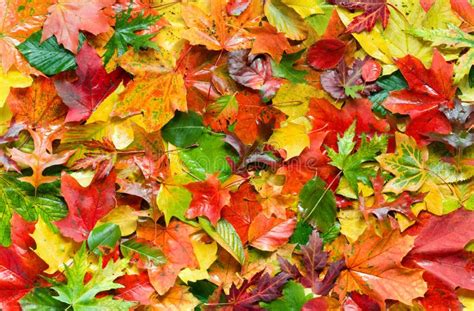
<point x="174" y="241"/>
<point x="427" y="88"/>
<point x="374" y="268"/>
<point x="86" y="205"/>
<point x="374" y="10"/>
<point x="439" y="248"/>
<point x="38" y="105"/>
<point x="177" y="297"/>
<point x="209" y="197"/>
<point x="326" y="53"/>
<point x="269" y="233"/>
<point x="79" y="295"/>
<point x="269" y="40"/>
<point x="216" y="30"/>
<point x="93" y="85"/>
<point x="20" y="269"/>
<point x="41" y="158"/>
<point x="66" y="18"/>
<point x="407" y="164"/>
<point x="164" y="94"/>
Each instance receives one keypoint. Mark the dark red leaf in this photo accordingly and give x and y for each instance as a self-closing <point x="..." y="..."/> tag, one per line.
<point x="326" y="53"/>
<point x="374" y="10"/>
<point x="93" y="85"/>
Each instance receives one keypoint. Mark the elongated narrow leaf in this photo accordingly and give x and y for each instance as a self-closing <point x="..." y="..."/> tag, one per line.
<point x="144" y="250"/>
<point x="319" y="204"/>
<point x="226" y="236"/>
<point x="48" y="57"/>
<point x="103" y="235"/>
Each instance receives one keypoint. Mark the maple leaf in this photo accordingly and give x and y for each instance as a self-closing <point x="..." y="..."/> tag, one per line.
<point x="242" y="210"/>
<point x="374" y="268"/>
<point x="439" y="248"/>
<point x="67" y="17"/>
<point x="125" y="33"/>
<point x="269" y="233"/>
<point x="344" y="82"/>
<point x="163" y="95"/>
<point x="265" y="288"/>
<point x="41" y="158"/>
<point x="81" y="295"/>
<point x="178" y="297"/>
<point x="135" y="288"/>
<point x="16" y="26"/>
<point x="217" y="30"/>
<point x="209" y="197"/>
<point x="374" y="10"/>
<point x="38" y="105"/>
<point x="220" y="114"/>
<point x="326" y="53"/>
<point x="174" y="240"/>
<point x="380" y="208"/>
<point x="93" y="85"/>
<point x="254" y="118"/>
<point x="427" y="88"/>
<point x="314" y="261"/>
<point x="407" y="164"/>
<point x="19" y="269"/>
<point x="351" y="163"/>
<point x="269" y="40"/>
<point x="86" y="205"/>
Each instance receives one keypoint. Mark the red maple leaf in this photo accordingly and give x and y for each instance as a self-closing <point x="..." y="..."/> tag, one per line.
<point x="242" y="210"/>
<point x="428" y="89"/>
<point x="19" y="268"/>
<point x="439" y="248"/>
<point x="67" y="17"/>
<point x="86" y="205"/>
<point x="93" y="85"/>
<point x="208" y="199"/>
<point x="373" y="10"/>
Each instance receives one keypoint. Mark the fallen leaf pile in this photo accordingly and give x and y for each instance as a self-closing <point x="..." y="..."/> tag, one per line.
<point x="236" y="155"/>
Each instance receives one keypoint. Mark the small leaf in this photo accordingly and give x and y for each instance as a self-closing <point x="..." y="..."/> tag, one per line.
<point x="285" y="69"/>
<point x="103" y="235"/>
<point x="144" y="250"/>
<point x="226" y="236"/>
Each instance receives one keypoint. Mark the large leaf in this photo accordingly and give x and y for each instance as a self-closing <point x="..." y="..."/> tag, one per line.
<point x="48" y="56"/>
<point x="21" y="198"/>
<point x="184" y="129"/>
<point x="82" y="296"/>
<point x="209" y="157"/>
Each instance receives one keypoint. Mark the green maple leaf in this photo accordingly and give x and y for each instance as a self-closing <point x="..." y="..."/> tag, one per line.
<point x="81" y="296"/>
<point x="125" y="34"/>
<point x="452" y="37"/>
<point x="351" y="164"/>
<point x="293" y="298"/>
<point x="21" y="198"/>
<point x="285" y="69"/>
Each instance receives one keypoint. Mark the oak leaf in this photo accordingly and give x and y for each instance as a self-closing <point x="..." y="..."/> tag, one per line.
<point x="41" y="158"/>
